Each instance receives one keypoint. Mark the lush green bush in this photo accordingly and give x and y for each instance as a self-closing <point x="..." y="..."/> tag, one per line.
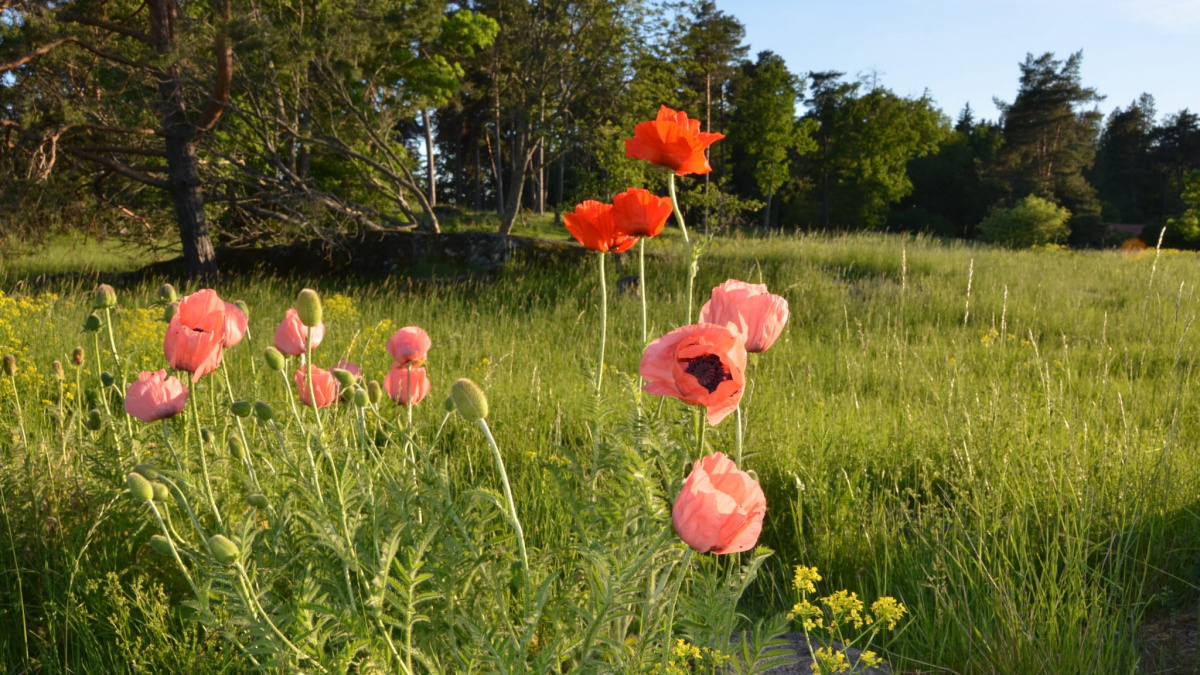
<point x="1032" y="222"/>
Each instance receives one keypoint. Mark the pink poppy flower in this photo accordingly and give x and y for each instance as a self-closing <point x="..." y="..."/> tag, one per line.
<point x="196" y="334"/>
<point x="410" y="343"/>
<point x="236" y="323"/>
<point x="720" y="508"/>
<point x="325" y="387"/>
<point x="292" y="333"/>
<point x="154" y="396"/>
<point x="748" y="309"/>
<point x="403" y="390"/>
<point x="702" y="364"/>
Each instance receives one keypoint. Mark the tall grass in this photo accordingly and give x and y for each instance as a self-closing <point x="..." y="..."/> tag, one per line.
<point x="1023" y="479"/>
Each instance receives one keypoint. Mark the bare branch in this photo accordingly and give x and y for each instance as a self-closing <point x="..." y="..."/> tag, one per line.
<point x="113" y="150"/>
<point x="216" y="105"/>
<point x="117" y="167"/>
<point x="40" y="51"/>
<point x="111" y="27"/>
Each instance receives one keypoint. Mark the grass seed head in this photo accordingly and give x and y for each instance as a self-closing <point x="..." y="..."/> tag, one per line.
<point x="10" y="365"/>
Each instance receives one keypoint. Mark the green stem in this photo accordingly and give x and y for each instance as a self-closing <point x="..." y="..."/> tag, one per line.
<point x="691" y="270"/>
<point x="212" y="501"/>
<point x="674" y="600"/>
<point x="603" y="323"/>
<point x="312" y="396"/>
<point x="642" y="287"/>
<point x="241" y="431"/>
<point x="175" y="552"/>
<point x="112" y="342"/>
<point x="738" y="447"/>
<point x="20" y="414"/>
<point x="512" y="507"/>
<point x="167" y="441"/>
<point x="17" y="570"/>
<point x="252" y="600"/>
<point x="702" y="426"/>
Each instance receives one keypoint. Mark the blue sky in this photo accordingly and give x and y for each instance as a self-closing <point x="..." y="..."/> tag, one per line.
<point x="969" y="50"/>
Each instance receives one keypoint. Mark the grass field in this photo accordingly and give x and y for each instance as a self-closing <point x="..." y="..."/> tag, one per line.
<point x="1004" y="441"/>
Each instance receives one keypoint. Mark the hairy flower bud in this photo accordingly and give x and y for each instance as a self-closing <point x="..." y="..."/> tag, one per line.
<point x="77" y="356"/>
<point x="56" y="370"/>
<point x="167" y="294"/>
<point x="161" y="493"/>
<point x="146" y="470"/>
<point x="241" y="304"/>
<point x="374" y="392"/>
<point x="344" y="377"/>
<point x="222" y="549"/>
<point x="264" y="411"/>
<point x="257" y="501"/>
<point x="360" y="397"/>
<point x="107" y="379"/>
<point x="274" y="358"/>
<point x="104" y="297"/>
<point x="241" y="408"/>
<point x="10" y="365"/>
<point x="170" y="310"/>
<point x="139" y="488"/>
<point x="237" y="449"/>
<point x="91" y="324"/>
<point x="162" y="545"/>
<point x="207" y="435"/>
<point x="448" y="404"/>
<point x="308" y="306"/>
<point x="469" y="400"/>
<point x="93" y="421"/>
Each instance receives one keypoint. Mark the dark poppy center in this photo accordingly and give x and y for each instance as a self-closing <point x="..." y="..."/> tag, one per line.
<point x="708" y="371"/>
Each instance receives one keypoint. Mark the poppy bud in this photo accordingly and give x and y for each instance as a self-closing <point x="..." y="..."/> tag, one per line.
<point x="146" y="470"/>
<point x="222" y="549"/>
<point x="161" y="493"/>
<point x="167" y="293"/>
<point x="104" y="297"/>
<point x="237" y="450"/>
<point x="241" y="304"/>
<point x="169" y="311"/>
<point x="93" y="421"/>
<point x="344" y="377"/>
<point x="257" y="501"/>
<point x="139" y="488"/>
<point x="347" y="394"/>
<point x="10" y="365"/>
<point x="469" y="400"/>
<point x="206" y="435"/>
<point x="241" y="408"/>
<point x="360" y="397"/>
<point x="107" y="379"/>
<point x="374" y="392"/>
<point x="308" y="306"/>
<point x="448" y="404"/>
<point x="263" y="411"/>
<point x="162" y="545"/>
<point x="56" y="370"/>
<point x="77" y="356"/>
<point x="274" y="358"/>
<point x="91" y="324"/>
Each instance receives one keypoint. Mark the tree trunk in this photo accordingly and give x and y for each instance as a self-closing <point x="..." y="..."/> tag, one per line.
<point x="478" y="175"/>
<point x="431" y="173"/>
<point x="498" y="162"/>
<point x="767" y="214"/>
<point x="522" y="157"/>
<point x="541" y="173"/>
<point x="707" y="129"/>
<point x="558" y="197"/>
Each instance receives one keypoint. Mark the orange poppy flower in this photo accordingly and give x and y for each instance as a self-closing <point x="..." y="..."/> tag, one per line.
<point x="592" y="224"/>
<point x="703" y="364"/>
<point x="673" y="141"/>
<point x="640" y="213"/>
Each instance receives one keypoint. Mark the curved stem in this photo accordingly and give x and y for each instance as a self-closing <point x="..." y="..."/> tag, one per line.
<point x="642" y="286"/>
<point x="691" y="262"/>
<point x="174" y="551"/>
<point x="738" y="448"/>
<point x="167" y="441"/>
<point x="512" y="507"/>
<point x="603" y="323"/>
<point x="20" y="414"/>
<point x="312" y="397"/>
<point x="674" y="600"/>
<point x="112" y="342"/>
<point x="212" y="500"/>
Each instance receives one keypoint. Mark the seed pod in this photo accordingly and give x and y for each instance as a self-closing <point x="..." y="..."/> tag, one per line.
<point x="161" y="493"/>
<point x="469" y="400"/>
<point x="257" y="501"/>
<point x="241" y="408"/>
<point x="360" y="397"/>
<point x="77" y="356"/>
<point x="264" y="411"/>
<point x="93" y="420"/>
<point x="241" y="304"/>
<point x="222" y="549"/>
<point x="146" y="470"/>
<point x="344" y="377"/>
<point x="91" y="324"/>
<point x="56" y="370"/>
<point x="167" y="293"/>
<point x="104" y="297"/>
<point x="207" y="436"/>
<point x="162" y="545"/>
<point x="237" y="449"/>
<point x="170" y="310"/>
<point x="374" y="392"/>
<point x="10" y="365"/>
<point x="448" y="404"/>
<point x="308" y="306"/>
<point x="107" y="379"/>
<point x="274" y="358"/>
<point x="139" y="488"/>
<point x="346" y="394"/>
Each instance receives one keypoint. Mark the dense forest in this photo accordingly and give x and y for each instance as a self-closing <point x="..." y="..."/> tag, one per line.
<point x="244" y="122"/>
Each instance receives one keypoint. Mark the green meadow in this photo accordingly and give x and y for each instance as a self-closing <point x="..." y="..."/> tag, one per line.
<point x="1006" y="442"/>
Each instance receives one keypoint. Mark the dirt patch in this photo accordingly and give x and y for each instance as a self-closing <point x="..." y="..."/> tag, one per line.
<point x="1171" y="644"/>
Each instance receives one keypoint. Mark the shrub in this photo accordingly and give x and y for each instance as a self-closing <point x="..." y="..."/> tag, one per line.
<point x="1032" y="222"/>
